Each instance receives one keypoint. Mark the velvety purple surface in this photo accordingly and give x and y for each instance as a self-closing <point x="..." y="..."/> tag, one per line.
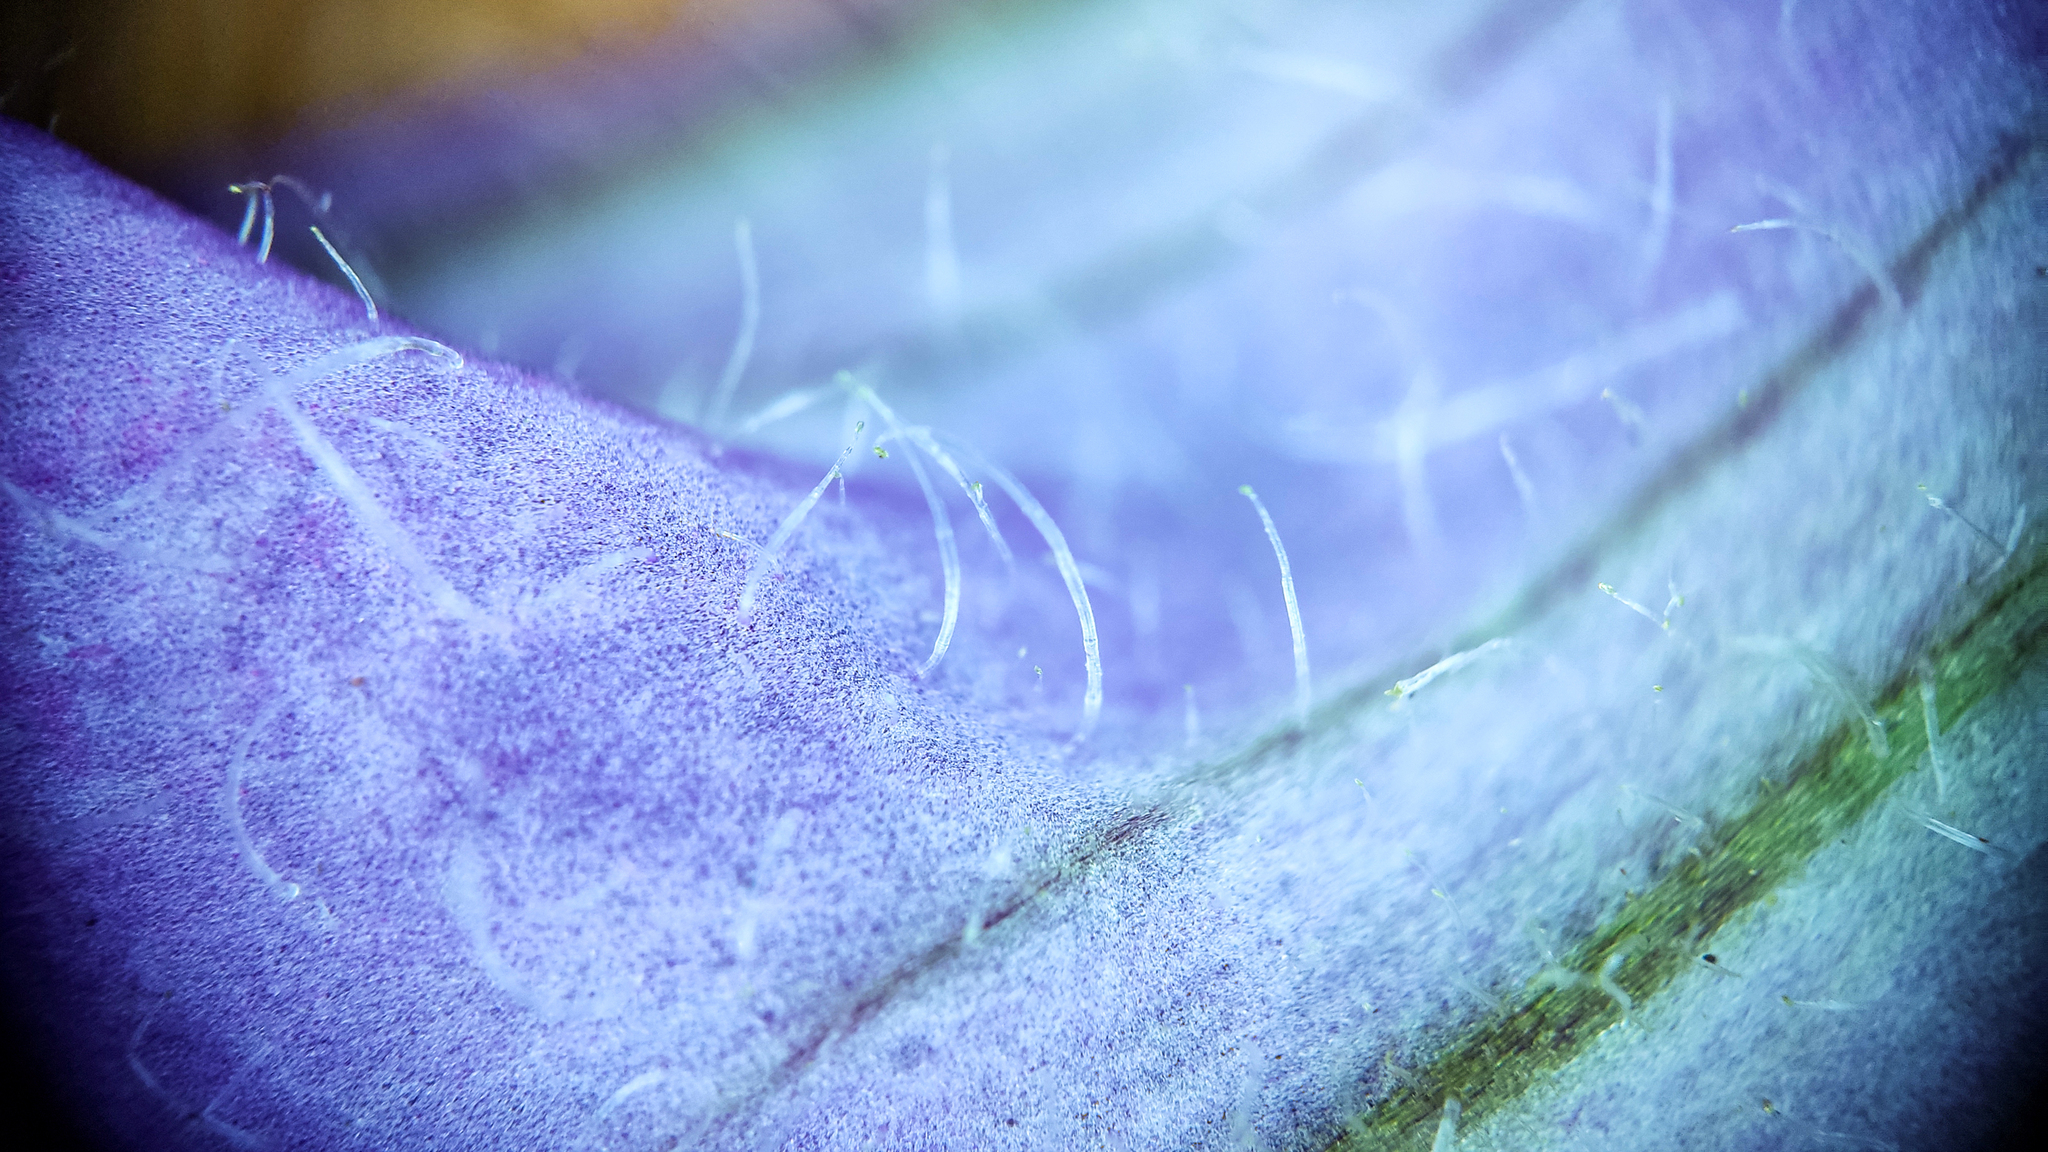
<point x="390" y="765"/>
<point x="186" y="591"/>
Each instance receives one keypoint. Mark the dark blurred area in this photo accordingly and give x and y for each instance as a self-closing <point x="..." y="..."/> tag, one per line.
<point x="184" y="96"/>
<point x="144" y="85"/>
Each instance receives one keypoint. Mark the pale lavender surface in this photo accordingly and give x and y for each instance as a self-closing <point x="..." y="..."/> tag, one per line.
<point x="603" y="867"/>
<point x="1160" y="260"/>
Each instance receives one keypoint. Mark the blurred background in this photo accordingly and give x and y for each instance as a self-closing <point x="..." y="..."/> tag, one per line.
<point x="173" y="93"/>
<point x="148" y="85"/>
<point x="1448" y="282"/>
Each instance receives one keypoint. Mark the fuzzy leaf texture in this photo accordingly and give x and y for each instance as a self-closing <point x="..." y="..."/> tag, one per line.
<point x="417" y="746"/>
